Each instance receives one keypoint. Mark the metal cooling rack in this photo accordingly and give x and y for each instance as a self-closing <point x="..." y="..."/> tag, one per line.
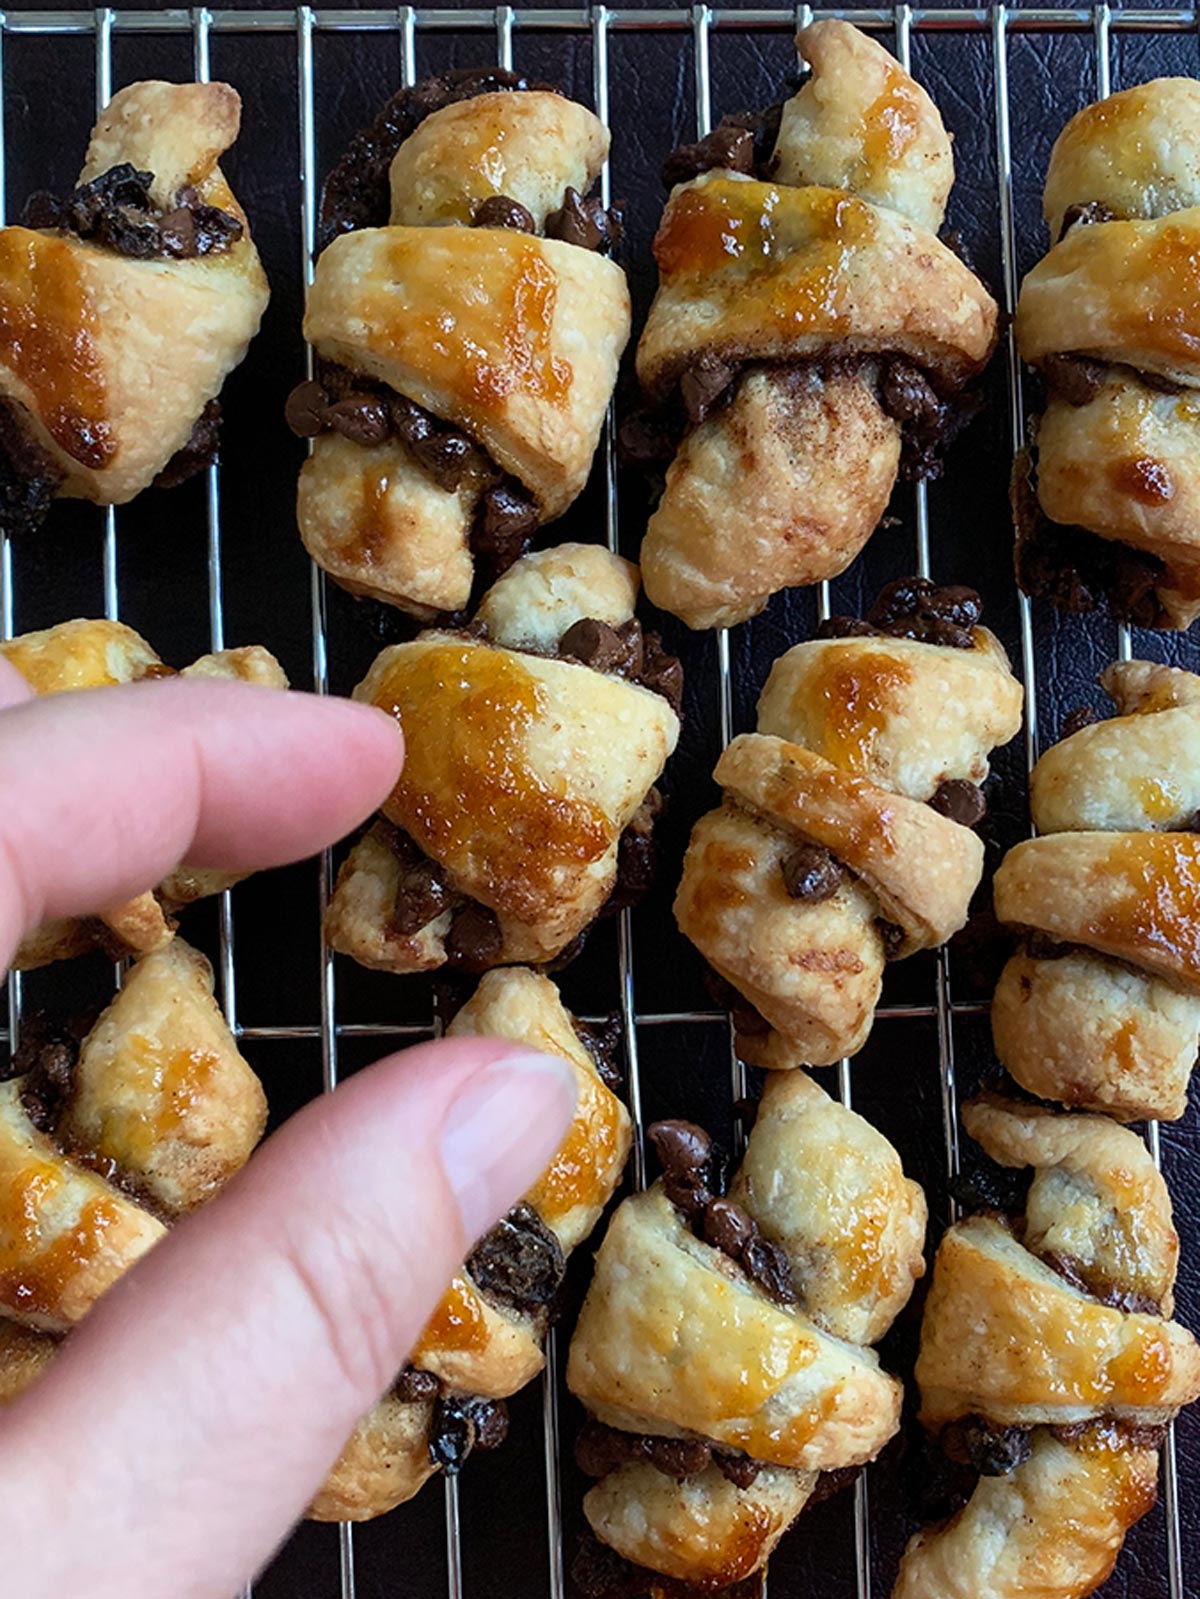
<point x="696" y="26"/>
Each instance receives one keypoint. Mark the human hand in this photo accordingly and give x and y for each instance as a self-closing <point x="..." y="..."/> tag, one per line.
<point x="190" y="1418"/>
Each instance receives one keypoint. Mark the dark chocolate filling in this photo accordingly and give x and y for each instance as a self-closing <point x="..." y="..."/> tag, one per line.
<point x="600" y="1449"/>
<point x="1077" y="570"/>
<point x="116" y="210"/>
<point x="1116" y="1295"/>
<point x="812" y="873"/>
<point x="991" y="1450"/>
<point x="45" y="1057"/>
<point x="413" y="1385"/>
<point x="460" y="1425"/>
<point x="1091" y="211"/>
<point x="742" y="142"/>
<point x="519" y="1263"/>
<point x="962" y="801"/>
<point x="198" y="453"/>
<point x="637" y="857"/>
<point x="693" y="1177"/>
<point x="29" y="475"/>
<point x="602" y="1040"/>
<point x="915" y="608"/>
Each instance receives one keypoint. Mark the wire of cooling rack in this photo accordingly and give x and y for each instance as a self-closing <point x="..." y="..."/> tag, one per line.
<point x="696" y="25"/>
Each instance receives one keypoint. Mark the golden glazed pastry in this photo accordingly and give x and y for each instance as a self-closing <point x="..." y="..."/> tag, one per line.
<point x="85" y="654"/>
<point x="840" y="843"/>
<point x="1048" y="1362"/>
<point x="534" y="739"/>
<point x="104" y="1143"/>
<point x="124" y="307"/>
<point x="722" y="1349"/>
<point x="1100" y="1006"/>
<point x="485" y="1340"/>
<point x="468" y="329"/>
<point x="1108" y="504"/>
<point x="813" y="326"/>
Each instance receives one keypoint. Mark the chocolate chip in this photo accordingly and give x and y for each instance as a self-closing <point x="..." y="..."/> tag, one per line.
<point x="605" y="648"/>
<point x="361" y="418"/>
<point x="739" y="1469"/>
<point x="1075" y="721"/>
<point x="198" y="453"/>
<point x="520" y="1262"/>
<point x="845" y="627"/>
<point x="178" y="233"/>
<point x="422" y="894"/>
<point x="474" y="941"/>
<point x="1077" y="379"/>
<point x="767" y="1264"/>
<point x="1085" y="215"/>
<point x="916" y="608"/>
<point x="961" y="801"/>
<point x="729" y="147"/>
<point x="505" y="522"/>
<point x="992" y="1450"/>
<point x="460" y="1425"/>
<point x="703" y="383"/>
<point x="499" y="211"/>
<point x="413" y="1385"/>
<point x="727" y="1227"/>
<point x="585" y="223"/>
<point x="305" y="410"/>
<point x="662" y="673"/>
<point x="29" y="475"/>
<point x="811" y="873"/>
<point x="447" y="456"/>
<point x="600" y="1449"/>
<point x="686" y="1154"/>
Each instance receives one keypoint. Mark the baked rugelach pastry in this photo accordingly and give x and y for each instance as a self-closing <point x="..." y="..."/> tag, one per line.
<point x="1100" y="1005"/>
<point x="844" y="837"/>
<point x="534" y="739"/>
<point x="1049" y="1362"/>
<point x="105" y="1141"/>
<point x="813" y="332"/>
<point x="84" y="654"/>
<point x="125" y="306"/>
<point x="467" y="325"/>
<point x="1107" y="498"/>
<point x="723" y="1348"/>
<point x="486" y="1338"/>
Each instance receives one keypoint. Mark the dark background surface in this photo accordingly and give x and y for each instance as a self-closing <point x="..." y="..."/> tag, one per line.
<point x="50" y="84"/>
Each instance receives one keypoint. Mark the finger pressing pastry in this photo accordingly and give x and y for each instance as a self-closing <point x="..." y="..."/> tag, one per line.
<point x="105" y="1142"/>
<point x="722" y="1350"/>
<point x="812" y="327"/>
<point x="1100" y="1005"/>
<point x="485" y="1340"/>
<point x="468" y="326"/>
<point x="1049" y="1363"/>
<point x="85" y="654"/>
<point x="124" y="306"/>
<point x="533" y="741"/>
<point x="1107" y="500"/>
<point x="844" y="838"/>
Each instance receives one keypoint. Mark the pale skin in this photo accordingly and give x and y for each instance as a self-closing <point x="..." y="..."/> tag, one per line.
<point x="189" y="1420"/>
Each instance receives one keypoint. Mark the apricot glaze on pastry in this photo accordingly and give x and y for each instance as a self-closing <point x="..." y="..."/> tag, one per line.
<point x="105" y="1141"/>
<point x="534" y="739"/>
<point x="467" y="325"/>
<point x="723" y="1348"/>
<point x="1107" y="500"/>
<point x="84" y="654"/>
<point x="1049" y="1362"/>
<point x="486" y="1338"/>
<point x="1100" y="1006"/>
<point x="844" y="838"/>
<point x="124" y="307"/>
<point x="811" y="329"/>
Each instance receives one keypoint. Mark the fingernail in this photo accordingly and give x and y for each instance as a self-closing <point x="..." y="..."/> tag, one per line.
<point x="501" y="1132"/>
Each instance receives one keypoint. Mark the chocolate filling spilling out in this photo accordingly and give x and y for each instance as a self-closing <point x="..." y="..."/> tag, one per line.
<point x="1077" y="570"/>
<point x="694" y="1181"/>
<point x="519" y="1263"/>
<point x="460" y="1425"/>
<point x="46" y="1058"/>
<point x="117" y="211"/>
<point x="29" y="475"/>
<point x="600" y="1449"/>
<point x="602" y="1040"/>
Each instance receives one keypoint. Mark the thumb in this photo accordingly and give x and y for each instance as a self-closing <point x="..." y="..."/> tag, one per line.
<point x="191" y="1418"/>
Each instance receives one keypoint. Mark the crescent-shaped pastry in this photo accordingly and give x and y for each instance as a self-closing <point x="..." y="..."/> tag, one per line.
<point x="1108" y="501"/>
<point x="104" y="1142"/>
<point x="814" y="327"/>
<point x="722" y="1348"/>
<point x="468" y="331"/>
<point x="485" y="1340"/>
<point x="534" y="739"/>
<point x="841" y="841"/>
<point x="88" y="653"/>
<point x="1100" y="1006"/>
<point x="124" y="307"/>
<point x="1048" y="1362"/>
